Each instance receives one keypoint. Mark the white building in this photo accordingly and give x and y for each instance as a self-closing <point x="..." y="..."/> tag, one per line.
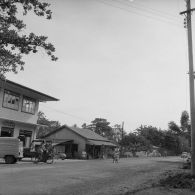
<point x="19" y="110"/>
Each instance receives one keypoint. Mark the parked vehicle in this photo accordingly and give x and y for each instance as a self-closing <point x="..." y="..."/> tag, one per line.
<point x="185" y="155"/>
<point x="61" y="156"/>
<point x="10" y="149"/>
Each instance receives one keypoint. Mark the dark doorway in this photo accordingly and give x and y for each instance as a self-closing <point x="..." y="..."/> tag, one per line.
<point x="25" y="137"/>
<point x="71" y="150"/>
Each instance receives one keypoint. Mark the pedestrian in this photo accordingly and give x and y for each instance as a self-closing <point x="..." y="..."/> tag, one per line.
<point x="44" y="152"/>
<point x="116" y="155"/>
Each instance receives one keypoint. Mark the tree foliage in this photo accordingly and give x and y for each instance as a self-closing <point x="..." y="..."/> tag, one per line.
<point x="152" y="134"/>
<point x="146" y="137"/>
<point x="184" y="129"/>
<point x="118" y="133"/>
<point x="102" y="127"/>
<point x="134" y="143"/>
<point x="174" y="128"/>
<point x="47" y="125"/>
<point x="14" y="44"/>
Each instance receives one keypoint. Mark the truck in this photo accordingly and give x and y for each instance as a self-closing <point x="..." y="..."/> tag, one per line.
<point x="10" y="149"/>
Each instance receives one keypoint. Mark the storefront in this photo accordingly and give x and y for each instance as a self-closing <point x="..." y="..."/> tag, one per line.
<point x="99" y="149"/>
<point x="24" y="131"/>
<point x="65" y="146"/>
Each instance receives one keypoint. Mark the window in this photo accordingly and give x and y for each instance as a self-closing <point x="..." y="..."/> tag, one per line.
<point x="28" y="105"/>
<point x="7" y="132"/>
<point x="11" y="100"/>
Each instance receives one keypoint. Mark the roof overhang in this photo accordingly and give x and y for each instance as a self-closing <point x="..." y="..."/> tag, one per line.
<point x="27" y="91"/>
<point x="6" y="120"/>
<point x="56" y="142"/>
<point x="100" y="143"/>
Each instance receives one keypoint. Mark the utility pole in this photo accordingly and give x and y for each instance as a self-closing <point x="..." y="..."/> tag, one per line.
<point x="122" y="136"/>
<point x="122" y="133"/>
<point x="187" y="14"/>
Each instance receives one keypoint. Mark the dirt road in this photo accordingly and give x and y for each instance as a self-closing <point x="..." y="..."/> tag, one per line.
<point x="90" y="177"/>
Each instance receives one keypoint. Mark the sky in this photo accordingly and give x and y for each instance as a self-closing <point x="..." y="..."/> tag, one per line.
<point x="120" y="60"/>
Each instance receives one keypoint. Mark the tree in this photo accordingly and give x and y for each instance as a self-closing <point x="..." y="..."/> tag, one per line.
<point x="13" y="44"/>
<point x="184" y="124"/>
<point x="134" y="143"/>
<point x="101" y="127"/>
<point x="152" y="134"/>
<point x="174" y="128"/>
<point x="175" y="144"/>
<point x="47" y="125"/>
<point x="84" y="126"/>
<point x="185" y="121"/>
<point x="184" y="129"/>
<point x="118" y="133"/>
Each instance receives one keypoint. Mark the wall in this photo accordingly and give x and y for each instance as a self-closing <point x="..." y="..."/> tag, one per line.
<point x="68" y="134"/>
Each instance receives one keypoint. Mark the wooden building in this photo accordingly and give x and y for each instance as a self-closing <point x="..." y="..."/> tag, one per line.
<point x="74" y="141"/>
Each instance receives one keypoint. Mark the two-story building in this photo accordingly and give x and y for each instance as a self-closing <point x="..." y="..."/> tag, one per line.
<point x="19" y="110"/>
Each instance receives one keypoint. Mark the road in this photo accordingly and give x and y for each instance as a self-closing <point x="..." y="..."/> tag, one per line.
<point x="82" y="177"/>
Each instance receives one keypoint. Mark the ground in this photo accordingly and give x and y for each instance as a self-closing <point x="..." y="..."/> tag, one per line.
<point x="87" y="177"/>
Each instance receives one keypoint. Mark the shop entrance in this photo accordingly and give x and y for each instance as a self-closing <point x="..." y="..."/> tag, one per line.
<point x="25" y="137"/>
<point x="94" y="151"/>
<point x="71" y="150"/>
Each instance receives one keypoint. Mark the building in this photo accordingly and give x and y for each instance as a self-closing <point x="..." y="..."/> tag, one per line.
<point x="73" y="141"/>
<point x="19" y="110"/>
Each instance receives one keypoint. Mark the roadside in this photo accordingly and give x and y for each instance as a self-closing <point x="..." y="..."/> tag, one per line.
<point x="172" y="182"/>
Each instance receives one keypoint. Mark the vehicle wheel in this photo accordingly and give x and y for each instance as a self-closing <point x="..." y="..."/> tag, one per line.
<point x="10" y="160"/>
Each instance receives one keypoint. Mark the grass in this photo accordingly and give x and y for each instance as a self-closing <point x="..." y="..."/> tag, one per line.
<point x="178" y="180"/>
<point x="168" y="182"/>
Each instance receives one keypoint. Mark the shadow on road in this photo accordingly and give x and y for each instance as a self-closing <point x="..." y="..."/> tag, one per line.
<point x="169" y="162"/>
<point x="26" y="160"/>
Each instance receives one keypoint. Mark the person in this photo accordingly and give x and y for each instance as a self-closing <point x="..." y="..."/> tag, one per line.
<point x="116" y="155"/>
<point x="39" y="154"/>
<point x="41" y="150"/>
<point x="49" y="152"/>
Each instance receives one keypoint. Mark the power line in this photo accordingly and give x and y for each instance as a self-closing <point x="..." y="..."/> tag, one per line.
<point x="67" y="114"/>
<point x="156" y="10"/>
<point x="148" y="9"/>
<point x="137" y="13"/>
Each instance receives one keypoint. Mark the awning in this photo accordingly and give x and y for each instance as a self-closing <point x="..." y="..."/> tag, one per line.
<point x="13" y="121"/>
<point x="100" y="143"/>
<point x="58" y="142"/>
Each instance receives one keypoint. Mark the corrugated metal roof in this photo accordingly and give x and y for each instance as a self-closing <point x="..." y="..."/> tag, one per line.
<point x="87" y="133"/>
<point x="21" y="88"/>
